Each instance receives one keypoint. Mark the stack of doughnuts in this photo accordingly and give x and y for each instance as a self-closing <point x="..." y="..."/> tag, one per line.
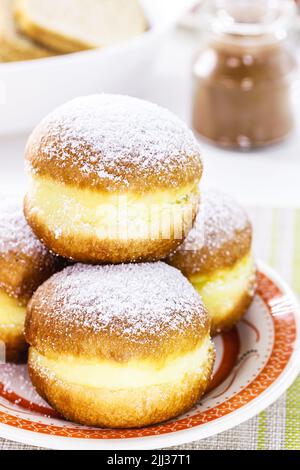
<point x="121" y="337"/>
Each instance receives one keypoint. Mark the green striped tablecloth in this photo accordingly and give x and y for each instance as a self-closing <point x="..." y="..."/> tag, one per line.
<point x="276" y="241"/>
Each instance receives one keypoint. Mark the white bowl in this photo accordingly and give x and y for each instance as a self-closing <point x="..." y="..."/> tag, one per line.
<point x="29" y="90"/>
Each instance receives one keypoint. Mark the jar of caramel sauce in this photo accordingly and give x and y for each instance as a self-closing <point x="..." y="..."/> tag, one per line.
<point x="243" y="74"/>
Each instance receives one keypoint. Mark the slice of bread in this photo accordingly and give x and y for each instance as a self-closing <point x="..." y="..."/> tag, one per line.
<point x="13" y="44"/>
<point x="73" y="25"/>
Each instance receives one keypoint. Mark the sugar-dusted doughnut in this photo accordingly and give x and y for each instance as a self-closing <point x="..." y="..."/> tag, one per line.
<point x="119" y="346"/>
<point x="217" y="258"/>
<point x="112" y="179"/>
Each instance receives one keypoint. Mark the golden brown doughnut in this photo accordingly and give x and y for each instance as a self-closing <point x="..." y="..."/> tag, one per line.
<point x="24" y="264"/>
<point x="119" y="346"/>
<point x="113" y="179"/>
<point x="216" y="257"/>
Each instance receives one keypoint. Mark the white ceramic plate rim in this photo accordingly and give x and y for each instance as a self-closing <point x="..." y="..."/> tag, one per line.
<point x="203" y="431"/>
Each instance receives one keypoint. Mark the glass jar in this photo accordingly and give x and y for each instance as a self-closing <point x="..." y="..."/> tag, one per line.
<point x="243" y="74"/>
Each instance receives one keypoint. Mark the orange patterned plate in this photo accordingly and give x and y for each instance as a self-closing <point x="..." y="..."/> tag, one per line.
<point x="256" y="362"/>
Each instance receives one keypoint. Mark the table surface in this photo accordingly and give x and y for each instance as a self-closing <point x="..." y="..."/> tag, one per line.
<point x="267" y="178"/>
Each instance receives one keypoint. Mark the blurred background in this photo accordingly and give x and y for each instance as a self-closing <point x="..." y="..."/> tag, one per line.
<point x="227" y="67"/>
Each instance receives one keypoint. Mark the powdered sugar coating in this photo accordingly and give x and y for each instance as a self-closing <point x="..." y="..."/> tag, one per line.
<point x="140" y="302"/>
<point x="15" y="234"/>
<point x="116" y="142"/>
<point x="218" y="220"/>
<point x="221" y="235"/>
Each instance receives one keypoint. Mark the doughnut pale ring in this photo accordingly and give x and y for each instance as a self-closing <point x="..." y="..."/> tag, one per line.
<point x="119" y="346"/>
<point x="113" y="179"/>
<point x="24" y="264"/>
<point x="216" y="257"/>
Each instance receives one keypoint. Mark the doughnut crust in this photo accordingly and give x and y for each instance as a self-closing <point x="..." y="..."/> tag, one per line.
<point x="103" y="153"/>
<point x="24" y="264"/>
<point x="216" y="258"/>
<point x="114" y="143"/>
<point x="119" y="346"/>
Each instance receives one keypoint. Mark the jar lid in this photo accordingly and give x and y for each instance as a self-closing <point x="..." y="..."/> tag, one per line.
<point x="251" y="17"/>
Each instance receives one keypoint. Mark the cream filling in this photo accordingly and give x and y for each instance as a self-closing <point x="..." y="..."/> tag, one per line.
<point x="68" y="210"/>
<point x="113" y="375"/>
<point x="11" y="313"/>
<point x="222" y="291"/>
